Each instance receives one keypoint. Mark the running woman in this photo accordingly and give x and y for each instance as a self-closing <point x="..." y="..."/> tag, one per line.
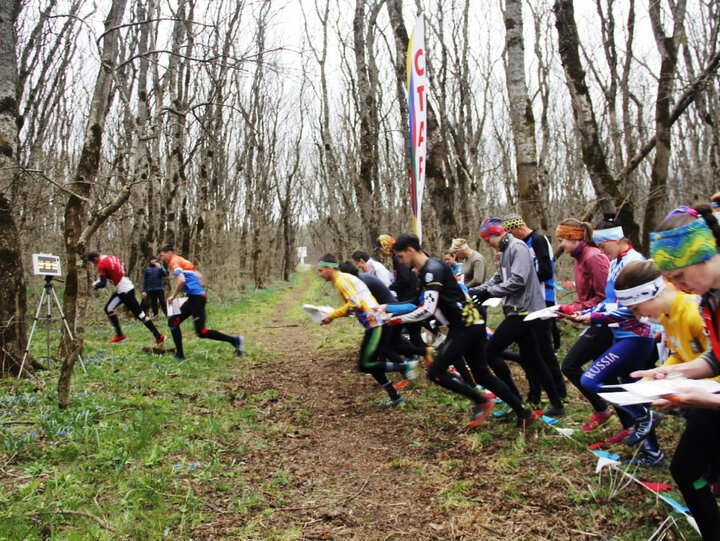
<point x="631" y="347"/>
<point x="466" y="336"/>
<point x="359" y="301"/>
<point x="111" y="267"/>
<point x="685" y="250"/>
<point x="188" y="280"/>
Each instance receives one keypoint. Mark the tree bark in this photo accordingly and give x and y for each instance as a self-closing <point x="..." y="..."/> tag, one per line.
<point x="521" y="116"/>
<point x="75" y="299"/>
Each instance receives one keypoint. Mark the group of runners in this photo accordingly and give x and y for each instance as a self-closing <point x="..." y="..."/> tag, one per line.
<point x="630" y="305"/>
<point x="187" y="280"/>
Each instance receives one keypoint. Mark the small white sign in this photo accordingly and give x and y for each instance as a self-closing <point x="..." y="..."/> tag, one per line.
<point x="302" y="254"/>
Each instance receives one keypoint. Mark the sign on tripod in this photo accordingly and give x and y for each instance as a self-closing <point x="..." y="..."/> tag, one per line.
<point x="46" y="265"/>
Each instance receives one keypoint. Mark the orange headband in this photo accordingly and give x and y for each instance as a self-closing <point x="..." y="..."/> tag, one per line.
<point x="570" y="232"/>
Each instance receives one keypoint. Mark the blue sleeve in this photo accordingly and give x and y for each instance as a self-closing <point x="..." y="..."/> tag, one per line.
<point x="401" y="308"/>
<point x="102" y="282"/>
<point x="163" y="271"/>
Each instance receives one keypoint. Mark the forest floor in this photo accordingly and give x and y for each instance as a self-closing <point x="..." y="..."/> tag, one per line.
<point x="288" y="443"/>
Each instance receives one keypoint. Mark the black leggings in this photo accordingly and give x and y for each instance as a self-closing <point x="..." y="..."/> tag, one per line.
<point x="155" y="297"/>
<point x="467" y="344"/>
<point x="195" y="307"/>
<point x="525" y="334"/>
<point x="129" y="300"/>
<point x="699" y="447"/>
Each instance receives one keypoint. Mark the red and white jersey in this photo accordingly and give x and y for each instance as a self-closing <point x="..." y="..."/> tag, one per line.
<point x="113" y="269"/>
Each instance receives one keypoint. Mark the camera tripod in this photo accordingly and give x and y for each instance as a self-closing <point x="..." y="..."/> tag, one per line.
<point x="48" y="289"/>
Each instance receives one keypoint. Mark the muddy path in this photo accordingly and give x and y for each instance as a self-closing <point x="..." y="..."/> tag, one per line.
<point x="350" y="470"/>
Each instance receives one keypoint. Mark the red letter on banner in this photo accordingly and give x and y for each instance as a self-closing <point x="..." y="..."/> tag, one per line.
<point x="420" y="166"/>
<point x="421" y="134"/>
<point x="418" y="69"/>
<point x="420" y="89"/>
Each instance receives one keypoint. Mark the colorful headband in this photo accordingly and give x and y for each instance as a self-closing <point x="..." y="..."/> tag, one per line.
<point x="491" y="227"/>
<point x="570" y="232"/>
<point x="683" y="209"/>
<point x="327" y="264"/>
<point x="683" y="246"/>
<point x="715" y="204"/>
<point x="512" y="222"/>
<point x="643" y="292"/>
<point x="604" y="235"/>
<point x="385" y="244"/>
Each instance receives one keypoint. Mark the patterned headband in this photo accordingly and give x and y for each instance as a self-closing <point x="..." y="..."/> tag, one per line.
<point x="683" y="246"/>
<point x="385" y="244"/>
<point x="570" y="232"/>
<point x="643" y="292"/>
<point x="512" y="223"/>
<point x="604" y="235"/>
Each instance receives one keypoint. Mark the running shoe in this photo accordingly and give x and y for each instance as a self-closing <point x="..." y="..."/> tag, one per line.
<point x="239" y="345"/>
<point x="598" y="418"/>
<point x="179" y="357"/>
<point x="480" y="412"/>
<point x="620" y="436"/>
<point x="646" y="458"/>
<point x="401" y="384"/>
<point x="118" y="338"/>
<point x="391" y="403"/>
<point x="525" y="422"/>
<point x="553" y="411"/>
<point x="410" y="371"/>
<point x="161" y="340"/>
<point x="643" y="427"/>
<point x="487" y="394"/>
<point x="502" y="413"/>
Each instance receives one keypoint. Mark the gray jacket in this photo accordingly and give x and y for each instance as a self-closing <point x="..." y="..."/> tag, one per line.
<point x="516" y="280"/>
<point x="473" y="269"/>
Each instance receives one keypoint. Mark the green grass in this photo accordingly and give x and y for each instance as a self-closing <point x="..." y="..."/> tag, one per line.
<point x="152" y="447"/>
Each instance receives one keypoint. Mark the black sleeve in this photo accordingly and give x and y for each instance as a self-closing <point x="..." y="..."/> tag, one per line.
<point x="540" y="246"/>
<point x="405" y="283"/>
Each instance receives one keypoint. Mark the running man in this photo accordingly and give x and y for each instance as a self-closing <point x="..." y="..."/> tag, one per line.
<point x="466" y="337"/>
<point x="358" y="300"/>
<point x="187" y="279"/>
<point x="111" y="267"/>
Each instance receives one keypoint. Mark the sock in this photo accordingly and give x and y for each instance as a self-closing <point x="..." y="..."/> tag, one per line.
<point x="150" y="325"/>
<point x="392" y="393"/>
<point x="395" y="367"/>
<point x="177" y="338"/>
<point x="116" y="323"/>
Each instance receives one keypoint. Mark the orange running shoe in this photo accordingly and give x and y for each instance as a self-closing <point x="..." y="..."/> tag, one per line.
<point x="118" y="338"/>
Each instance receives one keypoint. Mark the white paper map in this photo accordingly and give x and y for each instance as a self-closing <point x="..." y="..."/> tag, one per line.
<point x="644" y="391"/>
<point x="545" y="313"/>
<point x="173" y="308"/>
<point x="492" y="302"/>
<point x="317" y="313"/>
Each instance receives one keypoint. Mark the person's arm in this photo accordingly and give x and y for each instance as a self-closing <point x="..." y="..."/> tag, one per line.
<point x="542" y="253"/>
<point x="599" y="267"/>
<point x="179" y="283"/>
<point x="422" y="312"/>
<point x="144" y="282"/>
<point x="521" y="268"/>
<point x="478" y="272"/>
<point x="163" y="270"/>
<point x="705" y="366"/>
<point x="100" y="282"/>
<point x="347" y="291"/>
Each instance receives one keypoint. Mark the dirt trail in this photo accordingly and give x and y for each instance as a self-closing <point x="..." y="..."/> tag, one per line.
<point x="358" y="472"/>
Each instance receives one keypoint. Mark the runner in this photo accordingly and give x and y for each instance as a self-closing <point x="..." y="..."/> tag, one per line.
<point x="685" y="250"/>
<point x="466" y="336"/>
<point x="111" y="267"/>
<point x="359" y="301"/>
<point x="187" y="279"/>
<point x="521" y="292"/>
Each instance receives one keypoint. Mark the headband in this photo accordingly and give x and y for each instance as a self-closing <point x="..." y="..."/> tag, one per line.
<point x="604" y="235"/>
<point x="512" y="222"/>
<point x="643" y="292"/>
<point x="491" y="227"/>
<point x="327" y="264"/>
<point x="570" y="232"/>
<point x="683" y="246"/>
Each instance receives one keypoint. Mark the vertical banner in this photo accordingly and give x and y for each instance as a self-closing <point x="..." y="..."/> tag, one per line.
<point x="417" y="111"/>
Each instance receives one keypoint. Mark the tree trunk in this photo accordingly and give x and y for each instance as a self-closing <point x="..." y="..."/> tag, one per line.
<point x="13" y="302"/>
<point x="75" y="299"/>
<point x="521" y="116"/>
<point x="668" y="49"/>
<point x="609" y="195"/>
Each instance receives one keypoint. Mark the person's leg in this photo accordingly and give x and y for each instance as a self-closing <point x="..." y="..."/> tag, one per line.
<point x="110" y="306"/>
<point x="161" y="300"/>
<point x="475" y="357"/>
<point x="174" y="324"/>
<point x="506" y="333"/>
<point x="152" y="295"/>
<point x="530" y="350"/>
<point x="415" y="333"/>
<point x="547" y="354"/>
<point x="129" y="300"/>
<point x="699" y="446"/>
<point x="589" y="346"/>
<point x="452" y="352"/>
<point x="198" y="312"/>
<point x="368" y="360"/>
